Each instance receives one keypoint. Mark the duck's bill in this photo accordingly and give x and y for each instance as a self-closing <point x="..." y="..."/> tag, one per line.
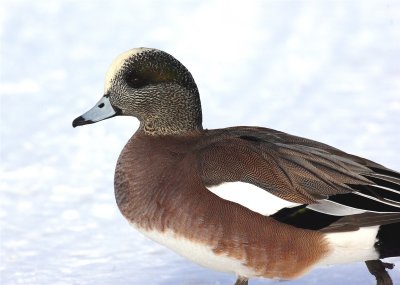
<point x="101" y="111"/>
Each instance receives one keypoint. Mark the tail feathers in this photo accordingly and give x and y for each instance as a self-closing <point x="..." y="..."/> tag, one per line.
<point x="388" y="240"/>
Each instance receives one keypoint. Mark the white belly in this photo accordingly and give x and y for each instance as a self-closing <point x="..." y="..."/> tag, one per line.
<point x="199" y="253"/>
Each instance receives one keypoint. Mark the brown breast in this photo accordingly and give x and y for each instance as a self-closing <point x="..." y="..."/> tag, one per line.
<point x="158" y="186"/>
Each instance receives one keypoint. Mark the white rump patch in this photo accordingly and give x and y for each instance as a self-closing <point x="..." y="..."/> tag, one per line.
<point x="347" y="247"/>
<point x="117" y="64"/>
<point x="252" y="197"/>
<point x="199" y="253"/>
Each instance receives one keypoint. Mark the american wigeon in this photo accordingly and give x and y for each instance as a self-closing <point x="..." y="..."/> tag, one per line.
<point x="252" y="201"/>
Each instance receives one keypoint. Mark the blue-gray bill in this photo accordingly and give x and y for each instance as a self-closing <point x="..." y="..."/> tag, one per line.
<point x="101" y="111"/>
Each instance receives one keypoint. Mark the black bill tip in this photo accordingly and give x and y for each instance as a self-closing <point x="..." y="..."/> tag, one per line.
<point x="80" y="121"/>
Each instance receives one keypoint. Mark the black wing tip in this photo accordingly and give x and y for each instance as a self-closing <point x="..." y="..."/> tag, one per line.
<point x="385" y="171"/>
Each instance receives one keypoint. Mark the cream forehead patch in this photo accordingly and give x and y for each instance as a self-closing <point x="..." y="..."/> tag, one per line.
<point x="118" y="63"/>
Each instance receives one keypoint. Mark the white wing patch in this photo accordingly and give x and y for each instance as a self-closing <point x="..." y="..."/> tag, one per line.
<point x="252" y="197"/>
<point x="261" y="201"/>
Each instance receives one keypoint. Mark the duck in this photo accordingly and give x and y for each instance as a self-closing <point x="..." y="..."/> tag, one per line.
<point x="251" y="201"/>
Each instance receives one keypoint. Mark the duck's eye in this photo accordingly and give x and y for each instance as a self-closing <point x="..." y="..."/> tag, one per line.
<point x="135" y="81"/>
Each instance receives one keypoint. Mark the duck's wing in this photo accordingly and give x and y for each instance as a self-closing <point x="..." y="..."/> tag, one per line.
<point x="302" y="171"/>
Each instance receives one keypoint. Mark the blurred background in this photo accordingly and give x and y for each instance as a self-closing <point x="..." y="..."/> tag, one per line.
<point x="326" y="70"/>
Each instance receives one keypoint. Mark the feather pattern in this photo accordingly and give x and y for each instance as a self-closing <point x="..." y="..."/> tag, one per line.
<point x="298" y="170"/>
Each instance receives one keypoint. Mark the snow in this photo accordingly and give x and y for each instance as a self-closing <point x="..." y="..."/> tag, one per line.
<point x="326" y="70"/>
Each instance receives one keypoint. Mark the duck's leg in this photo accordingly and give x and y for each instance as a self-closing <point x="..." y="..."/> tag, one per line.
<point x="378" y="269"/>
<point x="242" y="281"/>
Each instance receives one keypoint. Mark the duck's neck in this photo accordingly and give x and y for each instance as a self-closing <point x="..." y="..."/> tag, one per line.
<point x="180" y="114"/>
<point x="174" y="126"/>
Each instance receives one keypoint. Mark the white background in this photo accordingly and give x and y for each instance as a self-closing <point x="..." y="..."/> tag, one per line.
<point x="326" y="70"/>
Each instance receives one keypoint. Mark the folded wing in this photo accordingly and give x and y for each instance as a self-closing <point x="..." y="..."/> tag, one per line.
<point x="302" y="171"/>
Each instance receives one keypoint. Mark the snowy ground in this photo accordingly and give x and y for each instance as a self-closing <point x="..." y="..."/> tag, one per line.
<point x="327" y="70"/>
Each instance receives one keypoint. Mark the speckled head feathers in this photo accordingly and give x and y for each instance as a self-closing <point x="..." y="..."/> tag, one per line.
<point x="152" y="86"/>
<point x="157" y="89"/>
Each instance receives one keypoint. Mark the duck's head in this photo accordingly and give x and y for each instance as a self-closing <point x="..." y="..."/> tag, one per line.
<point x="152" y="86"/>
